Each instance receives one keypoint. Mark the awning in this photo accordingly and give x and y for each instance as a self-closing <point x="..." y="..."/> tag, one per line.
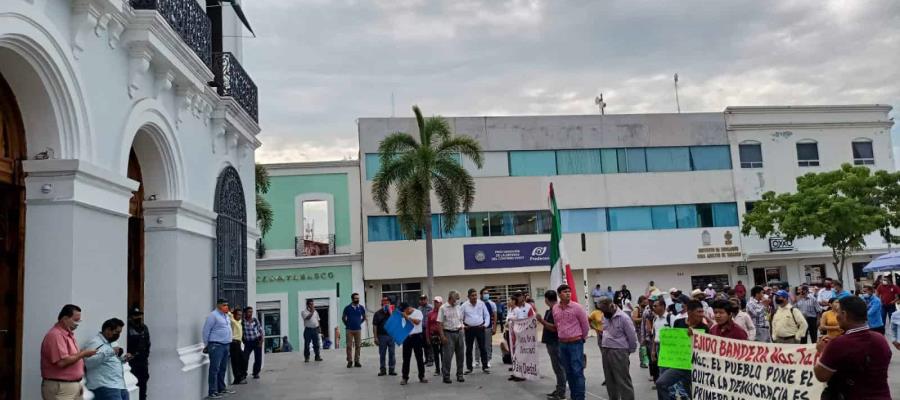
<point x="887" y="262"/>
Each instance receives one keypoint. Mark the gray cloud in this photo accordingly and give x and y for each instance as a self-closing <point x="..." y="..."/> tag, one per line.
<point x="320" y="64"/>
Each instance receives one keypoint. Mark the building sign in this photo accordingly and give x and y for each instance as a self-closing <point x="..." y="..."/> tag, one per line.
<point x="718" y="252"/>
<point x="506" y="255"/>
<point x="295" y="276"/>
<point x="780" y="244"/>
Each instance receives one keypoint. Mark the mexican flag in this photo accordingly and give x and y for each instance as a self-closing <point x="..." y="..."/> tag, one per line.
<point x="560" y="270"/>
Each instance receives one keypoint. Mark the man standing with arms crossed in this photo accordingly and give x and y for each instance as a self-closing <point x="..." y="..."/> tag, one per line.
<point x="353" y="317"/>
<point x="572" y="330"/>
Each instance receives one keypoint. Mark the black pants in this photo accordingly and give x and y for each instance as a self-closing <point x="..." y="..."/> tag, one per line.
<point x="473" y="335"/>
<point x="238" y="362"/>
<point x="140" y="369"/>
<point x="310" y="336"/>
<point x="812" y="331"/>
<point x="437" y="351"/>
<point x="253" y="347"/>
<point x="414" y="344"/>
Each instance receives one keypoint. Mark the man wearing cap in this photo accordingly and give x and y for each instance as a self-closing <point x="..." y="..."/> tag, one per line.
<point x="425" y="308"/>
<point x="788" y="323"/>
<point x="433" y="334"/>
<point x="700" y="296"/>
<point x="139" y="348"/>
<point x="217" y="338"/>
<point x="709" y="292"/>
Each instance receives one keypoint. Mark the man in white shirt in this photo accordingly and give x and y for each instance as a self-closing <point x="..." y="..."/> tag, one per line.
<point x="450" y="318"/>
<point x="825" y="294"/>
<point x="414" y="343"/>
<point x="476" y="319"/>
<point x="310" y="330"/>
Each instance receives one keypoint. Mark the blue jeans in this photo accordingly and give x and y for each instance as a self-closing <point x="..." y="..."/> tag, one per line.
<point x="571" y="356"/>
<point x="218" y="365"/>
<point x="386" y="345"/>
<point x="103" y="393"/>
<point x="673" y="382"/>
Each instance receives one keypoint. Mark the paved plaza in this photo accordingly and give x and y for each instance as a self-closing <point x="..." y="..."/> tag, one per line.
<point x="286" y="377"/>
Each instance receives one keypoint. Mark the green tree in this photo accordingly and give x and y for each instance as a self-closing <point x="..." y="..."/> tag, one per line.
<point x="413" y="169"/>
<point x="264" y="213"/>
<point x="841" y="207"/>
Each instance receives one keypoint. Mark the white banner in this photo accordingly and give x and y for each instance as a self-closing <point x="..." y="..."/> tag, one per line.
<point x="524" y="350"/>
<point x="727" y="369"/>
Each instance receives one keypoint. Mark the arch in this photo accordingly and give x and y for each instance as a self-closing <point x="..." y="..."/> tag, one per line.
<point x="750" y="142"/>
<point x="150" y="133"/>
<point x="807" y="141"/>
<point x="50" y="96"/>
<point x="862" y="140"/>
<point x="231" y="237"/>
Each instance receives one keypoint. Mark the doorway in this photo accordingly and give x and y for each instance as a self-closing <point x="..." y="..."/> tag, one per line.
<point x="322" y="307"/>
<point x="12" y="242"/>
<point x="136" y="236"/>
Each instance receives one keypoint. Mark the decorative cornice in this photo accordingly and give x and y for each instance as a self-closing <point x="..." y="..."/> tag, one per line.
<point x="809" y="109"/>
<point x="149" y="27"/>
<point x="307" y="262"/>
<point x="810" y="125"/>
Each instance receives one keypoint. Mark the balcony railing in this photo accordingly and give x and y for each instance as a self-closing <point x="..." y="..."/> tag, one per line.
<point x="232" y="80"/>
<point x="314" y="246"/>
<point x="188" y="19"/>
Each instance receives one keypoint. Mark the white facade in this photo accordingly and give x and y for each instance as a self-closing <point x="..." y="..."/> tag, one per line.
<point x="670" y="257"/>
<point x="95" y="80"/>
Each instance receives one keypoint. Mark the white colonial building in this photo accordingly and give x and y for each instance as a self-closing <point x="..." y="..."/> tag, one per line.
<point x="127" y="138"/>
<point x="654" y="197"/>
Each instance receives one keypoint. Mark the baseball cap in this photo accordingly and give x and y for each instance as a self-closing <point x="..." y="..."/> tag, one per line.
<point x="673" y="290"/>
<point x="782" y="293"/>
<point x="439" y="299"/>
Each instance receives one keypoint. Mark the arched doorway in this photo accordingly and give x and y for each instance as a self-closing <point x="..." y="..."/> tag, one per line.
<point x="12" y="241"/>
<point x="136" y="235"/>
<point x="231" y="238"/>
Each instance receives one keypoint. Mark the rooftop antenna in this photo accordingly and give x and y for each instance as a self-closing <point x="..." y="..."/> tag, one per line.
<point x="601" y="104"/>
<point x="677" y="102"/>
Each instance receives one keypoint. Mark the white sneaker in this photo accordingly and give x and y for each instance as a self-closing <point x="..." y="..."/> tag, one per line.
<point x="489" y="364"/>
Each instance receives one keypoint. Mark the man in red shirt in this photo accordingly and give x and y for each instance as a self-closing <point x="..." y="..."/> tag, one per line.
<point x="887" y="291"/>
<point x="62" y="363"/>
<point x="854" y="364"/>
<point x="724" y="312"/>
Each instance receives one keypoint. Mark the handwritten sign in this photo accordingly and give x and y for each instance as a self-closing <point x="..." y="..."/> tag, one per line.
<point x="524" y="354"/>
<point x="674" y="348"/>
<point x="739" y="369"/>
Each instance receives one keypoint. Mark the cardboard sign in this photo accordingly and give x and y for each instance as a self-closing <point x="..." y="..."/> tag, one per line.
<point x="524" y="344"/>
<point x="674" y="348"/>
<point x="740" y="369"/>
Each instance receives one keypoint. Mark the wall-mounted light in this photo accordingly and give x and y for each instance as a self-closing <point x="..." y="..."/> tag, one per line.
<point x="152" y="197"/>
<point x="46" y="188"/>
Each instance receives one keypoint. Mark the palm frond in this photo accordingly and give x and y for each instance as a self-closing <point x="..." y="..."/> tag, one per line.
<point x="262" y="179"/>
<point x="460" y="181"/>
<point x="424" y="135"/>
<point x="264" y="214"/>
<point x="396" y="143"/>
<point x="465" y="146"/>
<point x="438" y="128"/>
<point x="392" y="173"/>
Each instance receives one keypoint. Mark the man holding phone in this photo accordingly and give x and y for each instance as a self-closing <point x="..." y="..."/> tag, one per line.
<point x="105" y="374"/>
<point x="62" y="363"/>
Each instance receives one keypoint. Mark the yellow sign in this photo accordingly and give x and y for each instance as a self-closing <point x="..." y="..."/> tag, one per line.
<point x="719" y="252"/>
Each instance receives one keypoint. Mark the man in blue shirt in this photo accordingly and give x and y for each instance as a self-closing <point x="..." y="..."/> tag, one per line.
<point x="873" y="305"/>
<point x="217" y="338"/>
<point x="354" y="316"/>
<point x="105" y="376"/>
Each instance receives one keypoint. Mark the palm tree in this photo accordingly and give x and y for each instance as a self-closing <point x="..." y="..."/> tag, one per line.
<point x="264" y="214"/>
<point x="414" y="168"/>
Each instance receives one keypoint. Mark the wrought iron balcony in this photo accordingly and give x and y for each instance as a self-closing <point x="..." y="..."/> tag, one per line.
<point x="188" y="19"/>
<point x="232" y="80"/>
<point x="314" y="246"/>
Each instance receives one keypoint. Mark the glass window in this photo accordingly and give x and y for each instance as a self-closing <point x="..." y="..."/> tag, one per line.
<point x="663" y="217"/>
<point x="751" y="155"/>
<point x="862" y="153"/>
<point x="495" y="163"/>
<point x="400" y="293"/>
<point x="545" y="221"/>
<point x="725" y="214"/>
<point x="808" y="154"/>
<point x="705" y="158"/>
<point x="572" y="162"/>
<point x="610" y="160"/>
<point x="635" y="160"/>
<point x="382" y="228"/>
<point x="479" y="224"/>
<point x="583" y="220"/>
<point x="532" y="163"/>
<point x="271" y="322"/>
<point x="373" y="164"/>
<point x="502" y="224"/>
<point x="664" y="159"/>
<point x="524" y="222"/>
<point x="459" y="230"/>
<point x="630" y="219"/>
<point x="686" y="216"/>
<point x="705" y="215"/>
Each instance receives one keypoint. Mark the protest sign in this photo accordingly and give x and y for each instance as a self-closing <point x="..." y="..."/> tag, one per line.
<point x="524" y="350"/>
<point x="674" y="348"/>
<point x="396" y="328"/>
<point x="729" y="369"/>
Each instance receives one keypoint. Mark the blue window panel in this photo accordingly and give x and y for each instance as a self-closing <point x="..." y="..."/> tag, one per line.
<point x="622" y="160"/>
<point x="663" y="217"/>
<point x="573" y="162"/>
<point x="635" y="160"/>
<point x="459" y="230"/>
<point x="436" y="230"/>
<point x="373" y="164"/>
<point x="503" y="223"/>
<point x="532" y="163"/>
<point x="479" y="224"/>
<point x="667" y="159"/>
<point x="609" y="161"/>
<point x="725" y="214"/>
<point x="705" y="158"/>
<point x="583" y="220"/>
<point x="545" y="221"/>
<point x="686" y="216"/>
<point x="384" y="228"/>
<point x="630" y="219"/>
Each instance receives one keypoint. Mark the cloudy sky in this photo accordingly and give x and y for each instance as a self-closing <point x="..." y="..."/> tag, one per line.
<point x="321" y="64"/>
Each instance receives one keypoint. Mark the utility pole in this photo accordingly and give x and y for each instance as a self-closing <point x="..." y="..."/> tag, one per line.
<point x="677" y="103"/>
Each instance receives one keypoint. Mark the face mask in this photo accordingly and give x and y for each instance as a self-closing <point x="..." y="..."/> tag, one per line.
<point x="779" y="301"/>
<point x="486" y="296"/>
<point x="75" y="325"/>
<point x="865" y="295"/>
<point x="827" y="286"/>
<point x="608" y="314"/>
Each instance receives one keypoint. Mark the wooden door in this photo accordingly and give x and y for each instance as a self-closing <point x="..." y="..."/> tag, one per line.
<point x="136" y="237"/>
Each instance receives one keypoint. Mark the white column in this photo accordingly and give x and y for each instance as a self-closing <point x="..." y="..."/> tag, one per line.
<point x="76" y="234"/>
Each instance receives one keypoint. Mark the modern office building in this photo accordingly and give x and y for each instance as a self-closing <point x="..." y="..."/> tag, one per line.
<point x="655" y="197"/>
<point x="127" y="139"/>
<point x="313" y="250"/>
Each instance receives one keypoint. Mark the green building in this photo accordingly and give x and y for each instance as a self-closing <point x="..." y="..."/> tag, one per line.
<point x="313" y="250"/>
